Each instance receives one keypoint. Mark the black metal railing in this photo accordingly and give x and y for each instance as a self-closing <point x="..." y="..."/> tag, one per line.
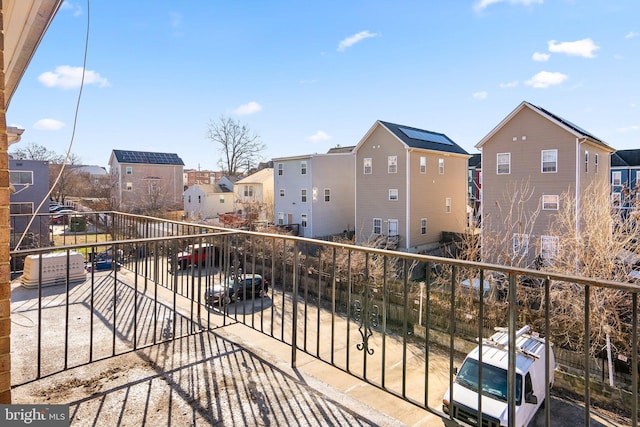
<point x="395" y="320"/>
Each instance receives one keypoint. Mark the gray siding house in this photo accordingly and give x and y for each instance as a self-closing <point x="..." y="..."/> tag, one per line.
<point x="29" y="181"/>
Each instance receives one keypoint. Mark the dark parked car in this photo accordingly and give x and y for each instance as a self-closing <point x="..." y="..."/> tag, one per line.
<point x="246" y="286"/>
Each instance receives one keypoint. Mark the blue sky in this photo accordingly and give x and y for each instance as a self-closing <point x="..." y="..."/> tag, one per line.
<point x="309" y="75"/>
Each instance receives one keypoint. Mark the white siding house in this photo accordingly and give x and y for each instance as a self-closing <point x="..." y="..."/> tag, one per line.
<point x="205" y="201"/>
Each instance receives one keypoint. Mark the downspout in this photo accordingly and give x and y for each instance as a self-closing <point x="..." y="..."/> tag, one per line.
<point x="407" y="216"/>
<point x="577" y="195"/>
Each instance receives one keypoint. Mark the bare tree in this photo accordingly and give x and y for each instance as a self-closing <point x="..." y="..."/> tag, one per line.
<point x="240" y="148"/>
<point x="65" y="179"/>
<point x="33" y="151"/>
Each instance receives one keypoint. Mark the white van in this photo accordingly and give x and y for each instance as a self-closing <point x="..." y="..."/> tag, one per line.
<point x="530" y="380"/>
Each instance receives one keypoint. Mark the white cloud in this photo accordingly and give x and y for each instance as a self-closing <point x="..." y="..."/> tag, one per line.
<point x="68" y="77"/>
<point x="249" y="108"/>
<point x="318" y="137"/>
<point x="77" y="11"/>
<point x="544" y="79"/>
<point x="584" y="48"/>
<point x="176" y="19"/>
<point x="48" y="124"/>
<point x="633" y="128"/>
<point x="351" y="40"/>
<point x="541" y="57"/>
<point x="631" y="34"/>
<point x="483" y="4"/>
<point x="480" y="95"/>
<point x="509" y="85"/>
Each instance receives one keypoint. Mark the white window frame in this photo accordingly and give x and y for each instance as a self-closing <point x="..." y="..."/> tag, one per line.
<point x="303" y="167"/>
<point x="616" y="199"/>
<point x="368" y="165"/>
<point x="129" y="170"/>
<point x="638" y="178"/>
<point x="248" y="191"/>
<point x="392" y="164"/>
<point x="303" y="195"/>
<point x="596" y="158"/>
<point x="549" y="246"/>
<point x="280" y="218"/>
<point x="21" y="175"/>
<point x="327" y="195"/>
<point x="377" y="226"/>
<point x="303" y="220"/>
<point x="441" y="166"/>
<point x="282" y="192"/>
<point x="393" y="194"/>
<point x="519" y="245"/>
<point x="548" y="202"/>
<point x="423" y="226"/>
<point x="616" y="178"/>
<point x="547" y="165"/>
<point x="129" y="186"/>
<point x="503" y="159"/>
<point x="423" y="165"/>
<point x="447" y="205"/>
<point x="586" y="162"/>
<point x="280" y="169"/>
<point x="221" y="200"/>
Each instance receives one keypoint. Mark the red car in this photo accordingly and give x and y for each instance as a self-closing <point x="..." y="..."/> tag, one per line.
<point x="194" y="255"/>
<point x="60" y="219"/>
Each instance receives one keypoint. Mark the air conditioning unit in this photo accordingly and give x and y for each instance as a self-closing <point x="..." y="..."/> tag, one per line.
<point x="54" y="269"/>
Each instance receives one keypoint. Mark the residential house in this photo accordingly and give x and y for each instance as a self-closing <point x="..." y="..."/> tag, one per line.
<point x="206" y="201"/>
<point x="529" y="161"/>
<point x="197" y="176"/>
<point x="29" y="180"/>
<point x="315" y="192"/>
<point x="254" y="195"/>
<point x="474" y="180"/>
<point x="411" y="187"/>
<point x="146" y="181"/>
<point x="625" y="179"/>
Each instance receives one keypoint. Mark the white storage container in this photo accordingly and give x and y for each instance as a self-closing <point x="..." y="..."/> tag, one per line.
<point x="54" y="269"/>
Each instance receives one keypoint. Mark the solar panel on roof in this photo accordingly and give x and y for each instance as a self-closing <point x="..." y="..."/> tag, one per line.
<point x="424" y="135"/>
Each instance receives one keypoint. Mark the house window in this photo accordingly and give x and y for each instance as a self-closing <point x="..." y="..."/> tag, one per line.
<point x="248" y="191"/>
<point x="221" y="199"/>
<point x="549" y="246"/>
<point x="447" y="205"/>
<point x="282" y="192"/>
<point x="280" y="218"/>
<point x="393" y="194"/>
<point x="504" y="163"/>
<point x="550" y="202"/>
<point x="616" y="199"/>
<point x="549" y="161"/>
<point x="423" y="164"/>
<point x="368" y="166"/>
<point x="616" y="178"/>
<point x="303" y="195"/>
<point x="393" y="227"/>
<point x="423" y="226"/>
<point x="280" y="169"/>
<point x="129" y="186"/>
<point x="303" y="220"/>
<point x="392" y="164"/>
<point x="314" y="194"/>
<point x="189" y="198"/>
<point x="21" y="177"/>
<point x="20" y="208"/>
<point x="586" y="162"/>
<point x="199" y="199"/>
<point x="441" y="166"/>
<point x="377" y="225"/>
<point x="327" y="194"/>
<point x="595" y="162"/>
<point x="637" y="178"/>
<point x="520" y="244"/>
<point x="303" y="167"/>
<point x="129" y="170"/>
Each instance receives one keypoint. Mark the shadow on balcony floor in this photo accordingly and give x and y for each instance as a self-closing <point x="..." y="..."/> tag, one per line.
<point x="204" y="379"/>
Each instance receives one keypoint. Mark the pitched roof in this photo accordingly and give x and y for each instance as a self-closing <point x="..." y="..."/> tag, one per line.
<point x="258" y="177"/>
<point x="475" y="160"/>
<point x="423" y="139"/>
<point x="128" y="156"/>
<point x="626" y="158"/>
<point x="338" y="149"/>
<point x="569" y="126"/>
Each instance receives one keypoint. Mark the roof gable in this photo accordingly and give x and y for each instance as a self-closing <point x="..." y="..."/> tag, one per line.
<point x="417" y="138"/>
<point x="627" y="158"/>
<point x="147" y="157"/>
<point x="259" y="177"/>
<point x="565" y="124"/>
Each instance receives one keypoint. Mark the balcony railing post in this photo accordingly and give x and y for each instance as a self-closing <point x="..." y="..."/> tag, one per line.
<point x="511" y="372"/>
<point x="294" y="314"/>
